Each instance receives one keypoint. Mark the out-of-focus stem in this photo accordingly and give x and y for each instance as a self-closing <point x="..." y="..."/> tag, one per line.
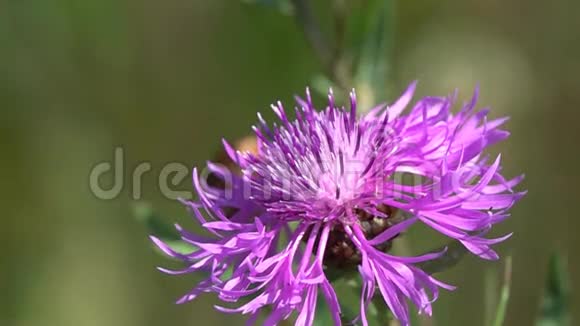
<point x="305" y="18"/>
<point x="324" y="51"/>
<point x="340" y="13"/>
<point x="505" y="294"/>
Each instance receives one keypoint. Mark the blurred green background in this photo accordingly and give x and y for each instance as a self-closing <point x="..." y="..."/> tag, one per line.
<point x="167" y="79"/>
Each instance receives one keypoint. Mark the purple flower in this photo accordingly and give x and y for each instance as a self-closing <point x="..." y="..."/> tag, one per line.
<point x="328" y="191"/>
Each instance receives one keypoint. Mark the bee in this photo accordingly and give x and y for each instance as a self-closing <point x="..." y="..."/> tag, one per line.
<point x="245" y="144"/>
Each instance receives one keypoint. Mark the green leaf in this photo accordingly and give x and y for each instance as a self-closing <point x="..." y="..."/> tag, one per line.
<point x="381" y="311"/>
<point x="180" y="246"/>
<point x="505" y="294"/>
<point x="453" y="254"/>
<point x="324" y="318"/>
<point x="162" y="230"/>
<point x="554" y="309"/>
<point x="145" y="214"/>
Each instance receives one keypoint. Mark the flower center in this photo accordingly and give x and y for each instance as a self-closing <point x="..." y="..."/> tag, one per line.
<point x="342" y="253"/>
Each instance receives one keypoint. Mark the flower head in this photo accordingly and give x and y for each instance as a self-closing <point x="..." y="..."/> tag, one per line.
<point x="326" y="191"/>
